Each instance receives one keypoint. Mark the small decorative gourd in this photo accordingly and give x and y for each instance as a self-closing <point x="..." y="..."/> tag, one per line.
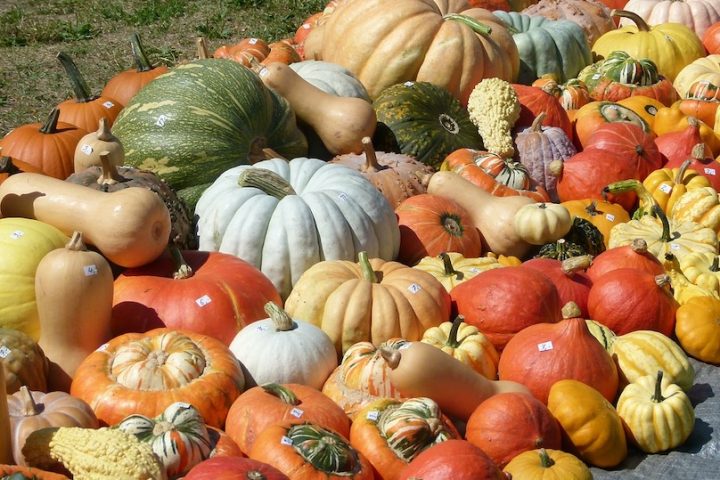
<point x="24" y="360"/>
<point x="87" y="152"/>
<point x="548" y="464"/>
<point x="542" y="223"/>
<point x="452" y="268"/>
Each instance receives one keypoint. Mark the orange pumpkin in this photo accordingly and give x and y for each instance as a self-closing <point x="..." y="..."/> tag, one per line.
<point x="591" y="116"/>
<point x="711" y="39"/>
<point x="603" y="215"/>
<point x="253" y="51"/>
<point x="8" y="167"/>
<point x="701" y="102"/>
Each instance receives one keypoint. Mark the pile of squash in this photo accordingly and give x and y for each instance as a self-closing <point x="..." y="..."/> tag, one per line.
<point x="367" y="250"/>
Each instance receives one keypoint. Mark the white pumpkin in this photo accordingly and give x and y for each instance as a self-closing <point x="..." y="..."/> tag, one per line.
<point x="297" y="214"/>
<point x="697" y="15"/>
<point x="331" y="78"/>
<point x="283" y="350"/>
<point x="541" y="223"/>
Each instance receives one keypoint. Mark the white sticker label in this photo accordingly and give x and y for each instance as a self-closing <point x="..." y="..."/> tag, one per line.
<point x="545" y="346"/>
<point x="373" y="415"/>
<point x="183" y="405"/>
<point x="674" y="246"/>
<point x="161" y="120"/>
<point x="296" y="412"/>
<point x="286" y="440"/>
<point x="4" y="351"/>
<point x="403" y="346"/>
<point x="343" y="196"/>
<point x="596" y="76"/>
<point x="414" y="288"/>
<point x="108" y="104"/>
<point x="665" y="188"/>
<point x="17" y="234"/>
<point x="474" y="270"/>
<point x="86" y="149"/>
<point x="102" y="347"/>
<point x="253" y="41"/>
<point x="90" y="270"/>
<point x="202" y="301"/>
<point x="409" y="84"/>
<point x="261" y="328"/>
<point x="710" y="171"/>
<point x="610" y="217"/>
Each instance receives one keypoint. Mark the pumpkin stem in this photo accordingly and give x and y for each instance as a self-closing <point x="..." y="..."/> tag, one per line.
<point x="452" y="340"/>
<point x="7" y="165"/>
<point x="556" y="168"/>
<point x="448" y="267"/>
<point x="50" y="125"/>
<point x="201" y="48"/>
<point x="634" y="17"/>
<point x="475" y="25"/>
<point x="255" y="475"/>
<point x="269" y="182"/>
<point x="103" y="131"/>
<point x="561" y="248"/>
<point x="715" y="265"/>
<point x="79" y="85"/>
<point x="280" y="318"/>
<point x="698" y="152"/>
<point x="571" y="265"/>
<point x="391" y="356"/>
<point x="545" y="460"/>
<point x="367" y="271"/>
<point x="283" y="393"/>
<point x="29" y="407"/>
<point x="657" y="211"/>
<point x="592" y="209"/>
<point x="76" y="242"/>
<point x="571" y="310"/>
<point x="647" y="202"/>
<point x="109" y="174"/>
<point x="141" y="61"/>
<point x="371" y="161"/>
<point x="657" y="396"/>
<point x="639" y="245"/>
<point x="537" y="122"/>
<point x="182" y="269"/>
<point x="681" y="171"/>
<point x="662" y="280"/>
<point x="270" y="154"/>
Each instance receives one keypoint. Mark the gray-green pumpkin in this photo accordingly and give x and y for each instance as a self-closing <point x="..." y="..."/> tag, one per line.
<point x="201" y="118"/>
<point x="555" y="47"/>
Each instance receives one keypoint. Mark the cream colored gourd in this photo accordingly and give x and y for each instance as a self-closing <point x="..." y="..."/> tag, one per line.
<point x="89" y="148"/>
<point x="130" y="227"/>
<point x="6" y="454"/>
<point x="493" y="216"/>
<point x="74" y="292"/>
<point x="542" y="223"/>
<point x="340" y="122"/>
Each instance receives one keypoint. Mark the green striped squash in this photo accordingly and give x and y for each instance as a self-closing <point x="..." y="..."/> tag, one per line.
<point x="426" y="120"/>
<point x="202" y="118"/>
<point x="328" y="452"/>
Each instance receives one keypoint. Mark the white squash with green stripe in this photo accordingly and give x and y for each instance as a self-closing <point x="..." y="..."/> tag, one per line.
<point x="283" y="217"/>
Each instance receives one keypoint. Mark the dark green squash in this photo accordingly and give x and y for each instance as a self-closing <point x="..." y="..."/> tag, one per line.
<point x="584" y="238"/>
<point x="202" y="118"/>
<point x="426" y="121"/>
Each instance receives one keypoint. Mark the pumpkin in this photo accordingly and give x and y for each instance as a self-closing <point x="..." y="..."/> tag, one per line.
<point x="234" y="468"/>
<point x="9" y="167"/>
<point x="633" y="255"/>
<point x="701" y="102"/>
<point x="582" y="239"/>
<point x="701" y="206"/>
<point x="533" y="102"/>
<point x="538" y="147"/>
<point x="549" y="464"/>
<point x="23" y="243"/>
<point x="711" y="39"/>
<point x="25" y="362"/>
<point x="569" y="277"/>
<point x="698" y="330"/>
<point x="371" y="300"/>
<point x="397" y="176"/>
<point x="540" y="41"/>
<point x="698" y="15"/>
<point x="703" y="72"/>
<point x="92" y="146"/>
<point x="248" y="51"/>
<point x="687" y="145"/>
<point x="670" y="46"/>
<point x="49" y="146"/>
<point x="330" y="78"/>
<point x="451" y="268"/>
<point x="572" y="94"/>
<point x="603" y="215"/>
<point x="702" y="270"/>
<point x="541" y="223"/>
<point x="431" y="224"/>
<point x="31" y="411"/>
<point x="300" y="352"/>
<point x="338" y="205"/>
<point x="533" y="427"/>
<point x="84" y="110"/>
<point x="124" y="85"/>
<point x="426" y="120"/>
<point x="672" y="119"/>
<point x="457" y="459"/>
<point x="643" y="352"/>
<point x="594" y="114"/>
<point x="504" y="170"/>
<point x="645" y="107"/>
<point x="466" y="343"/>
<point x="391" y="433"/>
<point x="503" y="301"/>
<point x="591" y="424"/>
<point x="206" y="292"/>
<point x="415" y="40"/>
<point x="264" y="405"/>
<point x="178" y="436"/>
<point x="144" y="373"/>
<point x="668" y="185"/>
<point x="592" y="16"/>
<point x="222" y="445"/>
<point x="166" y="138"/>
<point x="658" y="414"/>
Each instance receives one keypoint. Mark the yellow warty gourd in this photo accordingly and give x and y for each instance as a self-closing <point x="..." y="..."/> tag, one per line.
<point x="494" y="108"/>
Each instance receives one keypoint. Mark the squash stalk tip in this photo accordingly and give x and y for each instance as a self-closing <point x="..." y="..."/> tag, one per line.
<point x="657" y="395"/>
<point x="29" y="407"/>
<point x="448" y="268"/>
<point x="182" y="269"/>
<point x="570" y="310"/>
<point x="475" y="25"/>
<point x="50" y="125"/>
<point x="141" y="61"/>
<point x="280" y="318"/>
<point x="77" y="81"/>
<point x="269" y="182"/>
<point x="75" y="243"/>
<point x="283" y="393"/>
<point x="366" y="268"/>
<point x="641" y="24"/>
<point x="452" y="340"/>
<point x="391" y="356"/>
<point x="371" y="160"/>
<point x="545" y="459"/>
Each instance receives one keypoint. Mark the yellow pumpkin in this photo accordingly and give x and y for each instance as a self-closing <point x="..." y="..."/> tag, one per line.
<point x="547" y="464"/>
<point x="683" y="289"/>
<point x="703" y="69"/>
<point x="667" y="185"/>
<point x="603" y="215"/>
<point x="657" y="413"/>
<point x="702" y="269"/>
<point x="452" y="268"/>
<point x="697" y="328"/>
<point x="672" y="119"/>
<point x="466" y="343"/>
<point x="701" y="205"/>
<point x="644" y="106"/>
<point x="670" y="46"/>
<point x="591" y="423"/>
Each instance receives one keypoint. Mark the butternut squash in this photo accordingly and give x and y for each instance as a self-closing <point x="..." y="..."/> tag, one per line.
<point x="130" y="227"/>
<point x="74" y="294"/>
<point x="493" y="216"/>
<point x="340" y="122"/>
<point x="90" y="148"/>
<point x="422" y="370"/>
<point x="6" y="454"/>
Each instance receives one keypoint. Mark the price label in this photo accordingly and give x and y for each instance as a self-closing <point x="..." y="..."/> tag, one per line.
<point x="261" y="328"/>
<point x="306" y="26"/>
<point x="372" y="415"/>
<point x="674" y="246"/>
<point x="610" y="217"/>
<point x="183" y="405"/>
<point x="102" y="347"/>
<point x="709" y="171"/>
<point x="161" y="120"/>
<point x="17" y="234"/>
<point x="596" y="76"/>
<point x="253" y="41"/>
<point x="4" y="351"/>
<point x="409" y="84"/>
<point x="665" y="188"/>
<point x="414" y="288"/>
<point x="474" y="270"/>
<point x="545" y="346"/>
<point x="86" y="149"/>
<point x="296" y="412"/>
<point x="90" y="270"/>
<point x="343" y="196"/>
<point x="403" y="346"/>
<point x="202" y="301"/>
<point x="108" y="104"/>
<point x="286" y="440"/>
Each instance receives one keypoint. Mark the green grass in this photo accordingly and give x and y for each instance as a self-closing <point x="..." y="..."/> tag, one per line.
<point x="96" y="32"/>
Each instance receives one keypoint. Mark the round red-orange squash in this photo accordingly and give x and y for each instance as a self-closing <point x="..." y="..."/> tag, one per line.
<point x="533" y="101"/>
<point x="222" y="445"/>
<point x="635" y="255"/>
<point x="711" y="39"/>
<point x="452" y="459"/>
<point x="234" y="468"/>
<point x="569" y="277"/>
<point x="503" y="301"/>
<point x="507" y="424"/>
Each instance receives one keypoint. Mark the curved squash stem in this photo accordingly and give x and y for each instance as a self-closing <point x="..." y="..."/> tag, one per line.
<point x="545" y="460"/>
<point x="681" y="171"/>
<point x="662" y="280"/>
<point x="109" y="174"/>
<point x="561" y="248"/>
<point x="657" y="396"/>
<point x="571" y="265"/>
<point x="391" y="356"/>
<point x="182" y="269"/>
<point x="537" y="123"/>
<point x="657" y="211"/>
<point x="269" y="182"/>
<point x="103" y="131"/>
<point x="634" y="17"/>
<point x="29" y="407"/>
<point x="367" y="271"/>
<point x="279" y="317"/>
<point x="76" y="242"/>
<point x="452" y="340"/>
<point x="50" y="125"/>
<point x="698" y="152"/>
<point x="371" y="161"/>
<point x="79" y="85"/>
<point x="715" y="265"/>
<point x="571" y="310"/>
<point x="448" y="268"/>
<point x="647" y="202"/>
<point x="475" y="25"/>
<point x="639" y="245"/>
<point x="283" y="393"/>
<point x="7" y="165"/>
<point x="202" y="49"/>
<point x="141" y="61"/>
